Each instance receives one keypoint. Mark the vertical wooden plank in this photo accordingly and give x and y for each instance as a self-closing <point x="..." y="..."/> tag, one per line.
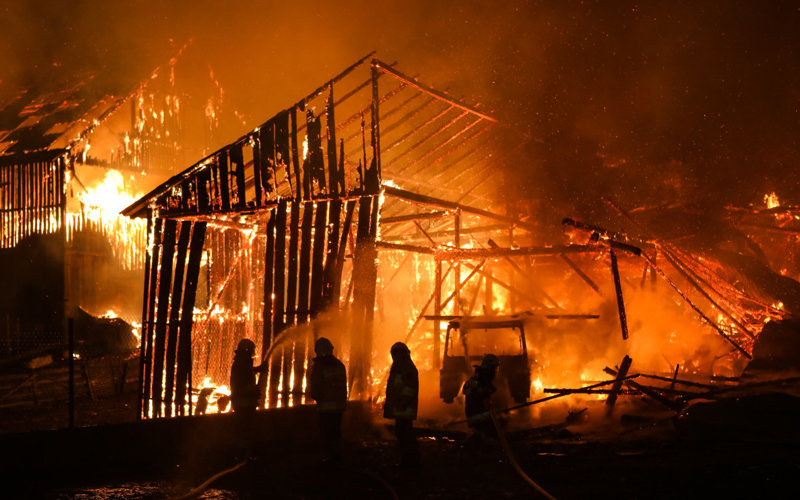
<point x="162" y="310"/>
<point x="282" y="146"/>
<point x="318" y="259"/>
<point x="267" y="139"/>
<point x="184" y="372"/>
<point x="330" y="128"/>
<point x="437" y="311"/>
<point x="145" y="313"/>
<point x="373" y="180"/>
<point x="269" y="267"/>
<point x="204" y="196"/>
<point x="304" y="277"/>
<point x="457" y="265"/>
<point x="148" y="321"/>
<point x="348" y="221"/>
<point x="225" y="190"/>
<point x="291" y="308"/>
<point x="175" y="314"/>
<point x="291" y="285"/>
<point x="237" y="164"/>
<point x="257" y="170"/>
<point x="332" y="254"/>
<point x="300" y="192"/>
<point x="278" y="320"/>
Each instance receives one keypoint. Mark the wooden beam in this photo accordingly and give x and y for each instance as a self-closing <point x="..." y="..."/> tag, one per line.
<point x="386" y="68"/>
<point x="449" y="205"/>
<point x="623" y="319"/>
<point x="415" y="217"/>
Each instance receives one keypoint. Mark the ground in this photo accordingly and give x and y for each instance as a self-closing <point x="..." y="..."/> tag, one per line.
<point x="660" y="465"/>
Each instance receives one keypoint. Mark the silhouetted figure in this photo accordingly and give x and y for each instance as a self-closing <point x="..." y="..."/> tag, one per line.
<point x="478" y="403"/>
<point x="402" y="398"/>
<point x="328" y="387"/>
<point x="244" y="389"/>
<point x="202" y="400"/>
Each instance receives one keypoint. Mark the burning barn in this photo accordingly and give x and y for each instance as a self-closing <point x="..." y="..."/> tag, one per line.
<point x="72" y="155"/>
<point x="375" y="210"/>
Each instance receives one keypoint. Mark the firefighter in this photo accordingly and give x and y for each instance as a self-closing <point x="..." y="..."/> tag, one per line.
<point x="402" y="397"/>
<point x="244" y="390"/>
<point x="328" y="387"/>
<point x="478" y="403"/>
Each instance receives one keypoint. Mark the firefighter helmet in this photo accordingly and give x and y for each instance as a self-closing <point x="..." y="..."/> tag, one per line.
<point x="400" y="348"/>
<point x="323" y="347"/>
<point x="245" y="345"/>
<point x="490" y="360"/>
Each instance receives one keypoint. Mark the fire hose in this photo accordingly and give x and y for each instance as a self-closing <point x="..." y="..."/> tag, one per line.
<point x="195" y="492"/>
<point x="513" y="460"/>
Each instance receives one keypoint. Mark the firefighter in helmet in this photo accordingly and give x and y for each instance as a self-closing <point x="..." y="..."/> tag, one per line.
<point x="328" y="387"/>
<point x="478" y="392"/>
<point x="402" y="397"/>
<point x="244" y="389"/>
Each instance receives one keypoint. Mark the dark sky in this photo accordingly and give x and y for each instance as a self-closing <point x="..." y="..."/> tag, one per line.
<point x="662" y="101"/>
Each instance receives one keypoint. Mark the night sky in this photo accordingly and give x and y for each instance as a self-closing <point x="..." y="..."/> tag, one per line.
<point x="648" y="102"/>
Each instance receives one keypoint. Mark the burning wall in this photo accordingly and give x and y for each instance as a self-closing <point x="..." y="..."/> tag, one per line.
<point x="75" y="154"/>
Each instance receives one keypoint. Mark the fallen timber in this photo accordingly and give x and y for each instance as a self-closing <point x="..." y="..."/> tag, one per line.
<point x="549" y="398"/>
<point x="653" y="394"/>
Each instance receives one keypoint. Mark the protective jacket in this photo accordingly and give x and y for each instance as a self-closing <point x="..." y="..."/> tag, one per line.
<point x="244" y="390"/>
<point x="327" y="384"/>
<point x="402" y="390"/>
<point x="478" y="390"/>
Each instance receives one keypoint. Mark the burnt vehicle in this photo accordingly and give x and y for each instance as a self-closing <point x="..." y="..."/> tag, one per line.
<point x="470" y="338"/>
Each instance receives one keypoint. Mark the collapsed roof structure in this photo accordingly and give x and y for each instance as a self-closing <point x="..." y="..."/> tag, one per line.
<point x="69" y="153"/>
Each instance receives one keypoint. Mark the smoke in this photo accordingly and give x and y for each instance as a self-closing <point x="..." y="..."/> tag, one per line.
<point x="628" y="92"/>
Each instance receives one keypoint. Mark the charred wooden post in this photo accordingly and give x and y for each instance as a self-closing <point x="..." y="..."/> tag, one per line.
<point x="257" y="186"/>
<point x="148" y="323"/>
<point x="305" y="263"/>
<point x="331" y="265"/>
<point x="291" y="286"/>
<point x="175" y="313"/>
<point x="145" y="315"/>
<point x="624" y="366"/>
<point x="300" y="191"/>
<point x="266" y="338"/>
<point x="318" y="259"/>
<point x="225" y="191"/>
<point x="623" y="320"/>
<point x="330" y="127"/>
<point x="457" y="268"/>
<point x="162" y="310"/>
<point x="184" y="368"/>
<point x="290" y="359"/>
<point x="279" y="306"/>
<point x="237" y="164"/>
<point x="437" y="311"/>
